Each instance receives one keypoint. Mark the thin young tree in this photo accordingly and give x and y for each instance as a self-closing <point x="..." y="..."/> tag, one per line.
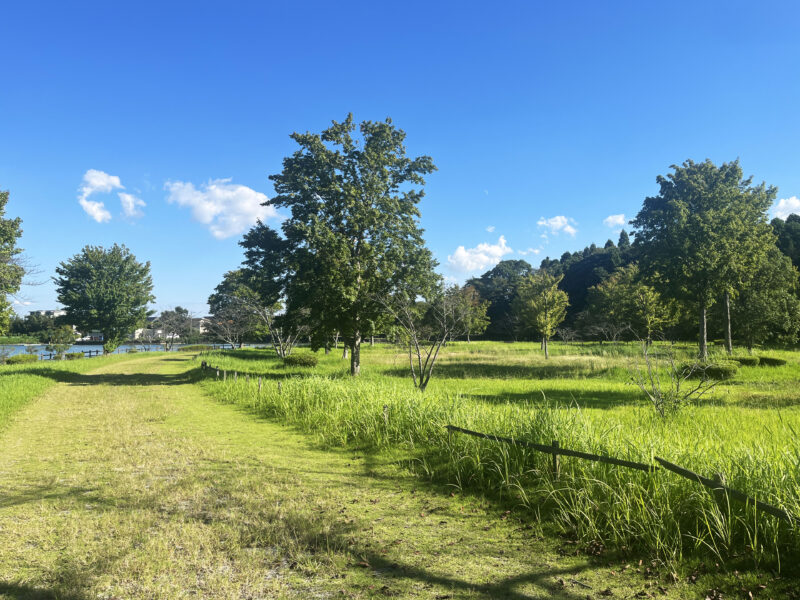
<point x="426" y="325"/>
<point x="541" y="305"/>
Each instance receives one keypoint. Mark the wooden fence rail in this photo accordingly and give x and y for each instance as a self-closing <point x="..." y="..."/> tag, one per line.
<point x="714" y="484"/>
<point x="555" y="449"/>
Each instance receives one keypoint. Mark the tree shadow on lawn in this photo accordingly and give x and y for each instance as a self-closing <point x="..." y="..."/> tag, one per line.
<point x="488" y="370"/>
<point x="133" y="379"/>
<point x="564" y="398"/>
<point x="19" y="591"/>
<point x="266" y="354"/>
<point x="298" y="534"/>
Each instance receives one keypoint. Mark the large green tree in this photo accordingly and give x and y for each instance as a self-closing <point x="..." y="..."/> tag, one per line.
<point x="353" y="235"/>
<point x="107" y="290"/>
<point x="701" y="237"/>
<point x="11" y="271"/>
<point x="541" y="305"/>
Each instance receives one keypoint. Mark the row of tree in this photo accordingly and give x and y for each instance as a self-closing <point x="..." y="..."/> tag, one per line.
<point x="351" y="260"/>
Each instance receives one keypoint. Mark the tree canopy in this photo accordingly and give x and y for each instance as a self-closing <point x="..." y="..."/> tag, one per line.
<point x="499" y="287"/>
<point x="11" y="271"/>
<point x="703" y="234"/>
<point x="107" y="290"/>
<point x="352" y="236"/>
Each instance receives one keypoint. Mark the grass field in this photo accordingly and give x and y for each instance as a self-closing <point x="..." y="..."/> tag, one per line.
<point x="20" y="383"/>
<point x="129" y="482"/>
<point x="746" y="430"/>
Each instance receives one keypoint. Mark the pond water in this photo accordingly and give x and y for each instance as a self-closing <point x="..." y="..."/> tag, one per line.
<point x="87" y="349"/>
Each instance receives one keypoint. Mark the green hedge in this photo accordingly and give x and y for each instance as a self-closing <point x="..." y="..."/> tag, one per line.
<point x="195" y="348"/>
<point x="710" y="371"/>
<point x="748" y="361"/>
<point x="21" y="358"/>
<point x="772" y="361"/>
<point x="300" y="360"/>
<point x="73" y="355"/>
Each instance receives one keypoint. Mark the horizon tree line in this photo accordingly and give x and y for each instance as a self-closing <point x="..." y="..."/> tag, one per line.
<point x="350" y="260"/>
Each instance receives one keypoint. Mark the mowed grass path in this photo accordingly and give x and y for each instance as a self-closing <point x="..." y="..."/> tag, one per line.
<point x="129" y="483"/>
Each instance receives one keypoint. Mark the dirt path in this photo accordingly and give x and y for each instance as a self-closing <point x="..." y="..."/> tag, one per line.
<point x="130" y="483"/>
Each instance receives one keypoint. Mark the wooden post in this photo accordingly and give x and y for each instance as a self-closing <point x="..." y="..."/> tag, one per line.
<point x="386" y="415"/>
<point x="236" y="375"/>
<point x="556" y="466"/>
<point x="217" y="373"/>
<point x="279" y="387"/>
<point x="719" y="494"/>
<point x="224" y="375"/>
<point x="247" y="378"/>
<point x="259" y="385"/>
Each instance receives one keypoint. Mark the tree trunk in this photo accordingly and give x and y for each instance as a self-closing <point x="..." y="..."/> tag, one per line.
<point x="327" y="349"/>
<point x="544" y="342"/>
<point x="355" y="355"/>
<point x="468" y="336"/>
<point x="703" y="354"/>
<point x="728" y="335"/>
<point x="344" y="352"/>
<point x="372" y="340"/>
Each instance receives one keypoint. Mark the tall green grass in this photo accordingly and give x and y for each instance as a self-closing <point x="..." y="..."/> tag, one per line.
<point x="581" y="398"/>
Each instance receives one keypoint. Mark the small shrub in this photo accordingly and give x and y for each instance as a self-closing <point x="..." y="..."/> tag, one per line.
<point x="195" y="348"/>
<point x="73" y="355"/>
<point x="748" y="361"/>
<point x="132" y="350"/>
<point x="21" y="358"/>
<point x="772" y="361"/>
<point x="718" y="371"/>
<point x="300" y="360"/>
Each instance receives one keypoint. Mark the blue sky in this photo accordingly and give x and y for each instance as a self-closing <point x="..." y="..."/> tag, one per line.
<point x="543" y="118"/>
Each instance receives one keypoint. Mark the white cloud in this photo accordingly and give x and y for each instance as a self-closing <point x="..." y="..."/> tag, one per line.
<point x="227" y="208"/>
<point x="614" y="220"/>
<point x="96" y="210"/>
<point x="530" y="251"/>
<point x="557" y="224"/>
<point x="22" y="303"/>
<point x="481" y="257"/>
<point x="785" y="207"/>
<point x="490" y="229"/>
<point x="131" y="205"/>
<point x="95" y="181"/>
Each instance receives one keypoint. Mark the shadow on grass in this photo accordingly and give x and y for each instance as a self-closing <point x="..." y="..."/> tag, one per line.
<point x="488" y="370"/>
<point x="294" y="527"/>
<point x="25" y="592"/>
<point x="132" y="379"/>
<point x="565" y="398"/>
<point x="265" y="354"/>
